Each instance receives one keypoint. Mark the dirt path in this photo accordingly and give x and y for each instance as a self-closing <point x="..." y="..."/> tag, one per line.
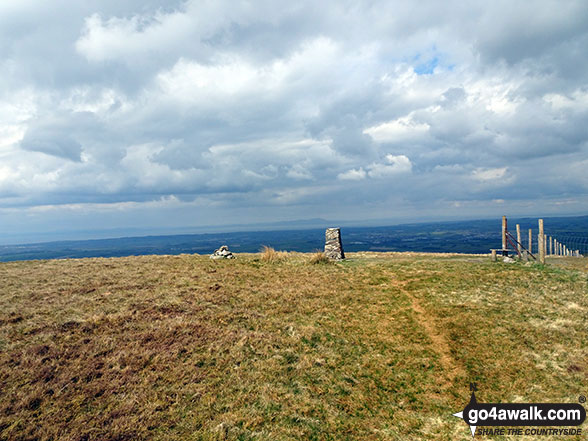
<point x="438" y="339"/>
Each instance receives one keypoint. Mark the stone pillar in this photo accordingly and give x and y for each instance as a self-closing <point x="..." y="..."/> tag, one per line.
<point x="333" y="246"/>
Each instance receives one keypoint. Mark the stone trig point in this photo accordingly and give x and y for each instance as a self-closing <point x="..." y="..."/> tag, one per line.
<point x="333" y="246"/>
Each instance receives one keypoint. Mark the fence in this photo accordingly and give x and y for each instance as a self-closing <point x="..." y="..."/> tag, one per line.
<point x="566" y="244"/>
<point x="573" y="242"/>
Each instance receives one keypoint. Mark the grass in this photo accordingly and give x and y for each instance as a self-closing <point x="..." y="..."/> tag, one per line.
<point x="268" y="254"/>
<point x="380" y="346"/>
<point x="319" y="258"/>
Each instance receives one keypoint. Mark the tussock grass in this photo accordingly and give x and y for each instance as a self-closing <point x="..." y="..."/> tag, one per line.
<point x="268" y="254"/>
<point x="376" y="347"/>
<point x="319" y="257"/>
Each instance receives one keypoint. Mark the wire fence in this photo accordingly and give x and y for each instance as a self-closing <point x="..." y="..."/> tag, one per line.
<point x="572" y="242"/>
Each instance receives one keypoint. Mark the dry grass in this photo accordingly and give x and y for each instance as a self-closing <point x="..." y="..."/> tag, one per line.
<point x="375" y="347"/>
<point x="319" y="257"/>
<point x="268" y="254"/>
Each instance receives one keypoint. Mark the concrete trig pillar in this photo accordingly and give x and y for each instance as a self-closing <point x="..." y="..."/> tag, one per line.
<point x="333" y="245"/>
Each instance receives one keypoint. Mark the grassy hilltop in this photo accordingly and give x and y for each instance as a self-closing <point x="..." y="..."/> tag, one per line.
<point x="381" y="346"/>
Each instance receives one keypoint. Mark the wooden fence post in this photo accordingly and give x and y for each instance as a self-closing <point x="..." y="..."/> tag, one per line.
<point x="504" y="245"/>
<point x="493" y="256"/>
<point x="555" y="247"/>
<point x="530" y="247"/>
<point x="550" y="246"/>
<point x="519" y="241"/>
<point x="541" y="242"/>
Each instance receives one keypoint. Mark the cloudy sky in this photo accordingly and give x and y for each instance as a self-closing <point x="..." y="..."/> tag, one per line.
<point x="155" y="114"/>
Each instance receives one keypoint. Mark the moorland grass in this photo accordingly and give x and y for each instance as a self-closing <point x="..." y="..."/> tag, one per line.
<point x="380" y="346"/>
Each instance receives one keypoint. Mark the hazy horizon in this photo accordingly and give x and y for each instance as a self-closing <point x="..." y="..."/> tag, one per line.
<point x="296" y="224"/>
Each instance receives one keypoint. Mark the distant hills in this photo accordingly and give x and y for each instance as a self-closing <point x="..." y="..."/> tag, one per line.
<point x="473" y="236"/>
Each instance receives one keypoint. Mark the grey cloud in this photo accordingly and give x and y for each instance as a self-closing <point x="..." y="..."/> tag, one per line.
<point x="56" y="144"/>
<point x="257" y="105"/>
<point x="56" y="135"/>
<point x="515" y="32"/>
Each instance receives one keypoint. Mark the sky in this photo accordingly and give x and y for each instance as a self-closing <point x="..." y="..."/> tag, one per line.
<point x="163" y="114"/>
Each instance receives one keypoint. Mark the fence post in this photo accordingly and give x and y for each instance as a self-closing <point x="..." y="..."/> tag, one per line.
<point x="541" y="243"/>
<point x="504" y="253"/>
<point x="530" y="241"/>
<point x="519" y="240"/>
<point x="555" y="247"/>
<point x="550" y="246"/>
<point x="493" y="256"/>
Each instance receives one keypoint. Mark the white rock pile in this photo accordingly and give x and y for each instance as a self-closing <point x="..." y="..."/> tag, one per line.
<point x="222" y="253"/>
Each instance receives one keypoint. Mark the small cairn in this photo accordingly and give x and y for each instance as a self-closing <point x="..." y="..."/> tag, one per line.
<point x="222" y="253"/>
<point x="333" y="246"/>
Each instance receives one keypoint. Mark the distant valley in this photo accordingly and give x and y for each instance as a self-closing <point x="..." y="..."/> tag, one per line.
<point x="476" y="236"/>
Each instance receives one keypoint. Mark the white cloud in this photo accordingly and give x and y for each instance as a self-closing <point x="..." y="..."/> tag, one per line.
<point x="189" y="81"/>
<point x="121" y="38"/>
<point x="394" y="165"/>
<point x="254" y="101"/>
<point x="399" y="130"/>
<point x="352" y="175"/>
<point x="490" y="174"/>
